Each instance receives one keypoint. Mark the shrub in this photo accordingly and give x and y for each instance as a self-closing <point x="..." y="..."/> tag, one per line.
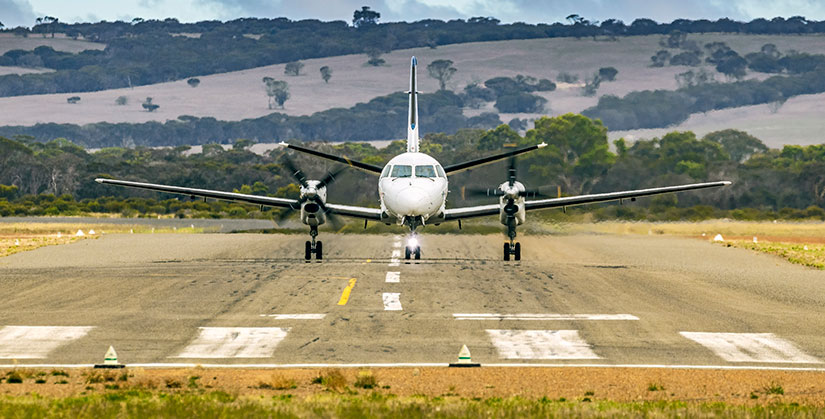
<point x="608" y="73"/>
<point x="366" y="380"/>
<point x="567" y="78"/>
<point x="121" y="100"/>
<point x="193" y="82"/>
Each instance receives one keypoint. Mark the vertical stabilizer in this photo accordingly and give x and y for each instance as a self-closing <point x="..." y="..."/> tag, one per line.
<point x="412" y="121"/>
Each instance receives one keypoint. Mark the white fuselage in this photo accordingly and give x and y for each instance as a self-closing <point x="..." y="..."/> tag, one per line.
<point x="412" y="185"/>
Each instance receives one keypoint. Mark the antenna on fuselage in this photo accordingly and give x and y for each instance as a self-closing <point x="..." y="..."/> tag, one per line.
<point x="412" y="121"/>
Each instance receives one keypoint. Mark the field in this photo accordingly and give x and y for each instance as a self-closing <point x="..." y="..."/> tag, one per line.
<point x="60" y="42"/>
<point x="239" y="95"/>
<point x="407" y="392"/>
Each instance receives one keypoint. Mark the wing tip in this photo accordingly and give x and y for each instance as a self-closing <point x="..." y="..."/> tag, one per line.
<point x="542" y="145"/>
<point x="100" y="180"/>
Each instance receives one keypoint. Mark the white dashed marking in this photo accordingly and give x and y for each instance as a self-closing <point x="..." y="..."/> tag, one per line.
<point x="235" y="342"/>
<point x="396" y="253"/>
<point x="541" y="344"/>
<point x="548" y="316"/>
<point x="313" y="316"/>
<point x="750" y="347"/>
<point x="393" y="277"/>
<point x="392" y="301"/>
<point x="32" y="342"/>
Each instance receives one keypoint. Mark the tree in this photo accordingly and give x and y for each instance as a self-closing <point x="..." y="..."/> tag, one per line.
<point x="520" y="103"/>
<point x="375" y="59"/>
<point x="567" y="78"/>
<point x="149" y="106"/>
<point x="738" y="144"/>
<point x="121" y="100"/>
<point x="365" y="17"/>
<point x="660" y="59"/>
<point x="577" y="152"/>
<point x="73" y="100"/>
<point x="2" y="25"/>
<point x="608" y="73"/>
<point x="497" y="138"/>
<point x="293" y="68"/>
<point x="441" y="70"/>
<point x="193" y="82"/>
<point x="733" y="67"/>
<point x="591" y="85"/>
<point x="277" y="91"/>
<point x="326" y="73"/>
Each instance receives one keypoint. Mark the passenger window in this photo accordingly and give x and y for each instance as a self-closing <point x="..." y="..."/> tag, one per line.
<point x="401" y="170"/>
<point x="440" y="171"/>
<point x="424" y="171"/>
<point x="386" y="171"/>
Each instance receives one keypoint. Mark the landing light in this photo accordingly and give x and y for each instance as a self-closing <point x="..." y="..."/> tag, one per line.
<point x="412" y="243"/>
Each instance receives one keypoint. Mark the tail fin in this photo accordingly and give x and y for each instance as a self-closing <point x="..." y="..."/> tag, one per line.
<point x="412" y="126"/>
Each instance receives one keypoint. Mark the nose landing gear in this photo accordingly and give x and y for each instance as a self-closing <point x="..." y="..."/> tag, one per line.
<point x="313" y="247"/>
<point x="512" y="248"/>
<point x="414" y="252"/>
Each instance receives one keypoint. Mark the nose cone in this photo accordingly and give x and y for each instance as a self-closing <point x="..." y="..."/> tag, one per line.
<point x="411" y="201"/>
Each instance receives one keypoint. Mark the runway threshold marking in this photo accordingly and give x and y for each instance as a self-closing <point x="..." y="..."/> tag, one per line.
<point x="544" y="317"/>
<point x="234" y="342"/>
<point x="540" y="344"/>
<point x="308" y="316"/>
<point x="345" y="295"/>
<point x="392" y="301"/>
<point x="393" y="277"/>
<point x="751" y="347"/>
<point x="33" y="342"/>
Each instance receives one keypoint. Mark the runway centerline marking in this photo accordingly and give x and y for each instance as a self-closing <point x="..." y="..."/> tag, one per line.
<point x="234" y="342"/>
<point x="396" y="253"/>
<point x="540" y="344"/>
<point x="33" y="342"/>
<point x="345" y="295"/>
<point x="750" y="347"/>
<point x="393" y="277"/>
<point x="308" y="316"/>
<point x="544" y="317"/>
<point x="392" y="301"/>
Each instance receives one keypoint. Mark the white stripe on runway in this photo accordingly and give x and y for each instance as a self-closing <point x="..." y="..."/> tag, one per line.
<point x="541" y="344"/>
<point x="32" y="342"/>
<point x="393" y="277"/>
<point x="750" y="347"/>
<point x="396" y="244"/>
<point x="312" y="316"/>
<point x="235" y="342"/>
<point x="548" y="316"/>
<point x="396" y="253"/>
<point x="392" y="301"/>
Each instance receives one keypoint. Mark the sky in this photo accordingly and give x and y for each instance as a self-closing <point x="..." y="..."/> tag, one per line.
<point x="23" y="12"/>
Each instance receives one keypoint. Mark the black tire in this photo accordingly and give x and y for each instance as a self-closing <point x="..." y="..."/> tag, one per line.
<point x="417" y="253"/>
<point x="407" y="253"/>
<point x="518" y="251"/>
<point x="319" y="250"/>
<point x="307" y="250"/>
<point x="506" y="252"/>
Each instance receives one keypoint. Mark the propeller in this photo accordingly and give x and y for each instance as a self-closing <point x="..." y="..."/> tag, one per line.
<point x="311" y="194"/>
<point x="512" y="191"/>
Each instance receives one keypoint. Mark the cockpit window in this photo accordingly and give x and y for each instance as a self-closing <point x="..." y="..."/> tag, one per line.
<point x="401" y="170"/>
<point x="386" y="171"/>
<point x="424" y="171"/>
<point x="440" y="171"/>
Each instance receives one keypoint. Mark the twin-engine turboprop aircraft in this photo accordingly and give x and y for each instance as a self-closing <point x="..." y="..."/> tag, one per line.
<point x="412" y="190"/>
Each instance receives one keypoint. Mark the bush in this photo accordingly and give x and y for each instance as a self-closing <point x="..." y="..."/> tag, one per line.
<point x="121" y="100"/>
<point x="366" y="380"/>
<point x="193" y="82"/>
<point x="689" y="58"/>
<point x="608" y="73"/>
<point x="567" y="78"/>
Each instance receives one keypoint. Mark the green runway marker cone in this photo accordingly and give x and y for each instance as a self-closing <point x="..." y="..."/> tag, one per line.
<point x="464" y="358"/>
<point x="110" y="360"/>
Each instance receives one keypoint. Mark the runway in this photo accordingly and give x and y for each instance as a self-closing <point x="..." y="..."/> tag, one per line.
<point x="250" y="299"/>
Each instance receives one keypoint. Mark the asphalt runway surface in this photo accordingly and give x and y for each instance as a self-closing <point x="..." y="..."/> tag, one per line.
<point x="251" y="299"/>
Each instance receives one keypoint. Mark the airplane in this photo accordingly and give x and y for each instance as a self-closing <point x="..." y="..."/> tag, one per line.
<point x="412" y="191"/>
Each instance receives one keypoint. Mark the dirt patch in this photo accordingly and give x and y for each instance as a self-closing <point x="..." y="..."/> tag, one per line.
<point x="616" y="384"/>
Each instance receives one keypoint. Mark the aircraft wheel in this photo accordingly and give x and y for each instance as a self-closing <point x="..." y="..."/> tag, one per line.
<point x="418" y="253"/>
<point x="518" y="251"/>
<point x="307" y="250"/>
<point x="506" y="252"/>
<point x="319" y="250"/>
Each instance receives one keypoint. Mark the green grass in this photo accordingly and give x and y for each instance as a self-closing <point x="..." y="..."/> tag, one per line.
<point x="810" y="255"/>
<point x="135" y="403"/>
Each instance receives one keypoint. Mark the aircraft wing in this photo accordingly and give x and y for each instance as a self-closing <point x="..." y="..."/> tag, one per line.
<point x="206" y="193"/>
<point x="374" y="214"/>
<point x="352" y="163"/>
<point x="568" y="201"/>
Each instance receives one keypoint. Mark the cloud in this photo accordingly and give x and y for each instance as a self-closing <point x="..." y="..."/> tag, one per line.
<point x="16" y="13"/>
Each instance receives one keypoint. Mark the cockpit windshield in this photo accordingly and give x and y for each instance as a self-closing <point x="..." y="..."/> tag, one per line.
<point x="424" y="171"/>
<point x="401" y="170"/>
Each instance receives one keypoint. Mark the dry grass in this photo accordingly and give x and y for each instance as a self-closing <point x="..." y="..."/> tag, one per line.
<point x="239" y="95"/>
<point x="21" y="237"/>
<point x="60" y="42"/>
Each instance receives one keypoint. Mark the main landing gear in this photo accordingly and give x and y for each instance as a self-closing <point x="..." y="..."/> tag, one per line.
<point x="313" y="247"/>
<point x="512" y="248"/>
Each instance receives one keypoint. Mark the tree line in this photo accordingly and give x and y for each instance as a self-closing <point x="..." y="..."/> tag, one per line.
<point x="153" y="51"/>
<point x="787" y="182"/>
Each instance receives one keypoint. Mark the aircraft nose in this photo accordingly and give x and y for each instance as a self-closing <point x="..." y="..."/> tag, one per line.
<point x="412" y="201"/>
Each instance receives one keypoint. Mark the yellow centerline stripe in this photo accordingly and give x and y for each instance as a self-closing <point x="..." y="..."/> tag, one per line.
<point x="347" y="291"/>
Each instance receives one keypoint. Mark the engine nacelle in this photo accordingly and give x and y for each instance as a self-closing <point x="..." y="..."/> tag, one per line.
<point x="511" y="203"/>
<point x="311" y="212"/>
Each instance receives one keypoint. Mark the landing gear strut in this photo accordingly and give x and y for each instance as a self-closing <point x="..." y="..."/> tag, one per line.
<point x="413" y="249"/>
<point x="313" y="247"/>
<point x="512" y="248"/>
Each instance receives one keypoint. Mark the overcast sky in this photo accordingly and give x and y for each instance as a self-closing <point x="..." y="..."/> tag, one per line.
<point x="23" y="12"/>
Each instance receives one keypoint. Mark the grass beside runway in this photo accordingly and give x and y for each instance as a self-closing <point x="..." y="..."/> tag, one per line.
<point x="143" y="404"/>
